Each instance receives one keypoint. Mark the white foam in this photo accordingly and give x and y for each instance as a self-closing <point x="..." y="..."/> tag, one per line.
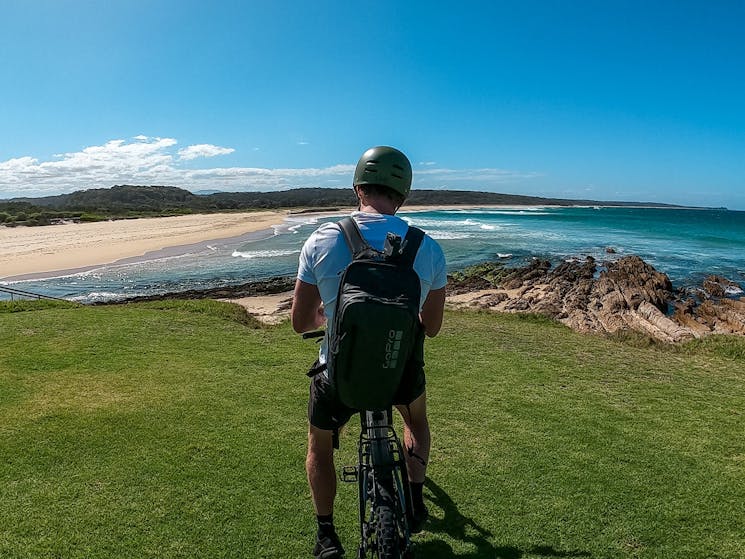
<point x="293" y="224"/>
<point x="448" y="235"/>
<point x="520" y="212"/>
<point x="98" y="296"/>
<point x="305" y="220"/>
<point x="502" y="211"/>
<point x="45" y="277"/>
<point x="263" y="253"/>
<point x="732" y="290"/>
<point x="424" y="223"/>
<point x="442" y="223"/>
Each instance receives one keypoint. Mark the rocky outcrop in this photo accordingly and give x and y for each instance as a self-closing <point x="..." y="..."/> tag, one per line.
<point x="625" y="294"/>
<point x="279" y="284"/>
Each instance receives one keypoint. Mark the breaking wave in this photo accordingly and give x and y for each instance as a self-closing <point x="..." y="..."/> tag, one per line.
<point x="263" y="253"/>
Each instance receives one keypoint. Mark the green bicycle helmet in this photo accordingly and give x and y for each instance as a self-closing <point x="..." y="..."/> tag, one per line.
<point x="384" y="166"/>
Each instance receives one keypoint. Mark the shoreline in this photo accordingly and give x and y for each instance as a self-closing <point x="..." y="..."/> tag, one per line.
<point x="629" y="295"/>
<point x="57" y="250"/>
<point x="624" y="293"/>
<point x="29" y="253"/>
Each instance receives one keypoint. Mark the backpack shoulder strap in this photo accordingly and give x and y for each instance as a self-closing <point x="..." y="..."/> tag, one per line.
<point x="413" y="240"/>
<point x="355" y="241"/>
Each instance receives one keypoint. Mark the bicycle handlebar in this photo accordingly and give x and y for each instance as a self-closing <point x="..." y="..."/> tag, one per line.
<point x="314" y="334"/>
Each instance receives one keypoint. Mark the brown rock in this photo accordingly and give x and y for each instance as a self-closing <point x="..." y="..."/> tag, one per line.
<point x="717" y="286"/>
<point x="627" y="294"/>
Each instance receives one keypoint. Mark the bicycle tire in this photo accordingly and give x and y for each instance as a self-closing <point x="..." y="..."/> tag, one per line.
<point x="386" y="533"/>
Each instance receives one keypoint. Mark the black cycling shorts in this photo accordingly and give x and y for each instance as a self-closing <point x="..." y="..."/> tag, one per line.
<point x="325" y="411"/>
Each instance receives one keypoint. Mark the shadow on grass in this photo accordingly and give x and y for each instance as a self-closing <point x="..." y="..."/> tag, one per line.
<point x="466" y="530"/>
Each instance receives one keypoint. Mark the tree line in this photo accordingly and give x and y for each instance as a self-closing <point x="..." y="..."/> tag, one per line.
<point x="127" y="201"/>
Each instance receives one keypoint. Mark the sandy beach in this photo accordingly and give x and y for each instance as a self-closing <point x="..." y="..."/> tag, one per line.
<point x="34" y="250"/>
<point x="26" y="251"/>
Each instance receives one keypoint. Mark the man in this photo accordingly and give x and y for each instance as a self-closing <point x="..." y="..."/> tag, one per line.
<point x="382" y="181"/>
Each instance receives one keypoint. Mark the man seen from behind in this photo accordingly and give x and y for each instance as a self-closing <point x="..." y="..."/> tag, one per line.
<point x="382" y="181"/>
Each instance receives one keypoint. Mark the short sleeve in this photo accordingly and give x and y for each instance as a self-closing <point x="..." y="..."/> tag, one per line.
<point x="439" y="268"/>
<point x="305" y="271"/>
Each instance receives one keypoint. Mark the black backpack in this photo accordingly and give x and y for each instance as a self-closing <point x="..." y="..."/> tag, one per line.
<point x="377" y="335"/>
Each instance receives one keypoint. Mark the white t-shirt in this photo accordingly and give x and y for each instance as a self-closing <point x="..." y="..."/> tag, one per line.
<point x="325" y="255"/>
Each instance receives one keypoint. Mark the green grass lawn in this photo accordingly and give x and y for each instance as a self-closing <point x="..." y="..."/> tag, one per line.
<point x="178" y="429"/>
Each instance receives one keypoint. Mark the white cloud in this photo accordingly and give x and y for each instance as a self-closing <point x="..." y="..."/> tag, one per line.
<point x="150" y="160"/>
<point x="203" y="150"/>
<point x="18" y="164"/>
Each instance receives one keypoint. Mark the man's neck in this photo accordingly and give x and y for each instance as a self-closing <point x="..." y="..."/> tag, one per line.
<point x="383" y="207"/>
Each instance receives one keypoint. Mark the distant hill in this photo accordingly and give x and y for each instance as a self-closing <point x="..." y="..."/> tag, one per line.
<point x="124" y="201"/>
<point x="118" y="198"/>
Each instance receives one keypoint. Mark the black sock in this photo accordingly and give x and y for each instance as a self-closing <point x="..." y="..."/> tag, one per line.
<point x="416" y="495"/>
<point x="325" y="524"/>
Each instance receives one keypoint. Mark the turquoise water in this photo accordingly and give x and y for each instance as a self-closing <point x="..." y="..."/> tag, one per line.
<point x="685" y="244"/>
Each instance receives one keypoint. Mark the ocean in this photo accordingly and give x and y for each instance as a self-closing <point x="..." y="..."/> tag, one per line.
<point x="686" y="244"/>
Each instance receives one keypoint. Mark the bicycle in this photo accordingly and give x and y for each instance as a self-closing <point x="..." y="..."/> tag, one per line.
<point x="383" y="484"/>
<point x="385" y="506"/>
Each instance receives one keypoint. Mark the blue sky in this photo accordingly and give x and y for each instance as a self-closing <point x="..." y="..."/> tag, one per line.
<point x="608" y="100"/>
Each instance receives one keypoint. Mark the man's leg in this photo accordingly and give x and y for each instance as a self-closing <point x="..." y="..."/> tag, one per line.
<point x="319" y="465"/>
<point x="417" y="442"/>
<point x="416" y="437"/>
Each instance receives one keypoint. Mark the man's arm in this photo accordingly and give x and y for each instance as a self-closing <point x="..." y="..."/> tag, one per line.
<point x="307" y="310"/>
<point x="432" y="311"/>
